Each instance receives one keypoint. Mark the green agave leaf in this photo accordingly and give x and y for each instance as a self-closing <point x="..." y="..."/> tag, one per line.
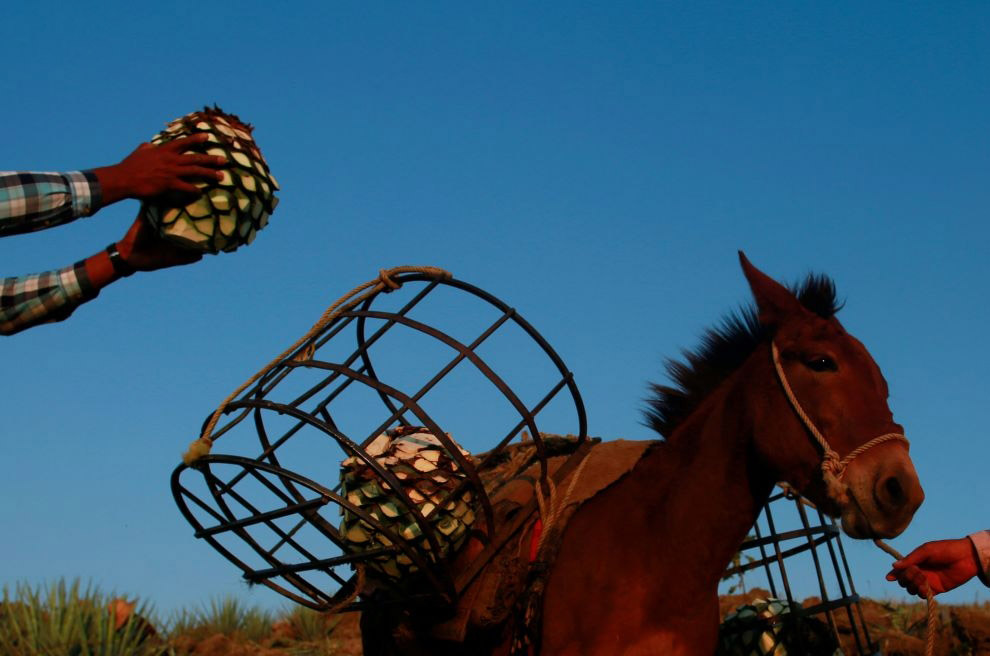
<point x="390" y="509"/>
<point x="357" y="534"/>
<point x="411" y="531"/>
<point x="227" y="224"/>
<point x="220" y="199"/>
<point x="205" y="227"/>
<point x="243" y="201"/>
<point x="447" y="525"/>
<point x="199" y="208"/>
<point x="183" y="231"/>
<point x="171" y="216"/>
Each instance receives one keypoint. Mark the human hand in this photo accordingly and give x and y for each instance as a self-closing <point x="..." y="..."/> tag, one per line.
<point x="152" y="171"/>
<point x="940" y="566"/>
<point x="144" y="250"/>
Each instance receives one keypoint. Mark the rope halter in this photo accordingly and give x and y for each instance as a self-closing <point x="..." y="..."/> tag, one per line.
<point x="833" y="467"/>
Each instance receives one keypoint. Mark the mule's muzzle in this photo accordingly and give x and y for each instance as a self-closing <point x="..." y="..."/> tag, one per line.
<point x="897" y="494"/>
<point x="883" y="500"/>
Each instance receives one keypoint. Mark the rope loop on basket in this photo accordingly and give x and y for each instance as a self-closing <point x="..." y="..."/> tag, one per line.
<point x="386" y="279"/>
<point x="385" y="282"/>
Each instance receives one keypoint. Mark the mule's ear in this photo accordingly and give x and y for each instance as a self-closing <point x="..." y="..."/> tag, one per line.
<point x="774" y="301"/>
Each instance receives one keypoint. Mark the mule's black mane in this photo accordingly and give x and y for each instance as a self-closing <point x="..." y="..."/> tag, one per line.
<point x="723" y="349"/>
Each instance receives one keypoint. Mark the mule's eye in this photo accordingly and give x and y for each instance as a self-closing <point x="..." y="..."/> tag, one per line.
<point x="821" y="363"/>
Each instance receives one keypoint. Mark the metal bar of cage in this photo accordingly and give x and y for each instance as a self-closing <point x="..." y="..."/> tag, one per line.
<point x="293" y="494"/>
<point x="809" y="537"/>
<point x="354" y="450"/>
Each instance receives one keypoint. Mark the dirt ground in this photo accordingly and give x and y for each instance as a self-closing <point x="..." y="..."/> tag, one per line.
<point x="899" y="629"/>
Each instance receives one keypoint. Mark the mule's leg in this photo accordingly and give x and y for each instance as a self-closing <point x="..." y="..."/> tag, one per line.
<point x="389" y="631"/>
<point x="376" y="634"/>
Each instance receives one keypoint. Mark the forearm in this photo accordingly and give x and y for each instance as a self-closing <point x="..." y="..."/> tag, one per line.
<point x="114" y="184"/>
<point x="35" y="201"/>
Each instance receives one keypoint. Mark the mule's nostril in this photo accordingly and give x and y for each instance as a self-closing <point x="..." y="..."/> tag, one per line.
<point x="894" y="492"/>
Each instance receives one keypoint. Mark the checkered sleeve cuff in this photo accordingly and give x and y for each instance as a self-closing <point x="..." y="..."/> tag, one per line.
<point x="87" y="195"/>
<point x="981" y="541"/>
<point x="43" y="297"/>
<point x="76" y="283"/>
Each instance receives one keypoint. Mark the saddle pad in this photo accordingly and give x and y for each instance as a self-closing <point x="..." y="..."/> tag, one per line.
<point x="490" y="598"/>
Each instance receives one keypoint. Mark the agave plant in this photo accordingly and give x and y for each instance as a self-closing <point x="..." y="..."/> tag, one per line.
<point x="65" y="619"/>
<point x="231" y="210"/>
<point x="226" y="615"/>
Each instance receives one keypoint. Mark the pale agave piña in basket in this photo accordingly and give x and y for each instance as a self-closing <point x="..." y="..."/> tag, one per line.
<point x="428" y="474"/>
<point x="774" y="627"/>
<point x="230" y="211"/>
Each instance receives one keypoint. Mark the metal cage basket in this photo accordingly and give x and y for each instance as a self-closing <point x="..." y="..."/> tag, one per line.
<point x="435" y="353"/>
<point x="792" y="533"/>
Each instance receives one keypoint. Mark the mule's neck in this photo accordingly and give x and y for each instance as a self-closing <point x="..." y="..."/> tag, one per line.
<point x="645" y="556"/>
<point x="714" y="484"/>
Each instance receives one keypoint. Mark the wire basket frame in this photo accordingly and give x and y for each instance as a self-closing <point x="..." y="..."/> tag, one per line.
<point x="818" y="537"/>
<point x="270" y="504"/>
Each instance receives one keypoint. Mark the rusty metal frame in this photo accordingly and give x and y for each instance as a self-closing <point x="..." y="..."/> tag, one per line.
<point x="814" y="533"/>
<point x="297" y="495"/>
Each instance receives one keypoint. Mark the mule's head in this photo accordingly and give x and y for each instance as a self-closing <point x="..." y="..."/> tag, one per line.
<point x="835" y="381"/>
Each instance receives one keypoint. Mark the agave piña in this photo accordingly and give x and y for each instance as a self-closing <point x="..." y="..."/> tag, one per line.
<point x="231" y="210"/>
<point x="428" y="475"/>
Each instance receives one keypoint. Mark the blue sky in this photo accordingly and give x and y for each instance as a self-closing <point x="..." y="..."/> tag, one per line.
<point x="595" y="164"/>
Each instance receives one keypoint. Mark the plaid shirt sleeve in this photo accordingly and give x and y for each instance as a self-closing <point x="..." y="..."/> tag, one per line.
<point x="981" y="542"/>
<point x="39" y="298"/>
<point x="35" y="201"/>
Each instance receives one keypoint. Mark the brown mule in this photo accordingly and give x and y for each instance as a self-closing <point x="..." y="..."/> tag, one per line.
<point x="638" y="568"/>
